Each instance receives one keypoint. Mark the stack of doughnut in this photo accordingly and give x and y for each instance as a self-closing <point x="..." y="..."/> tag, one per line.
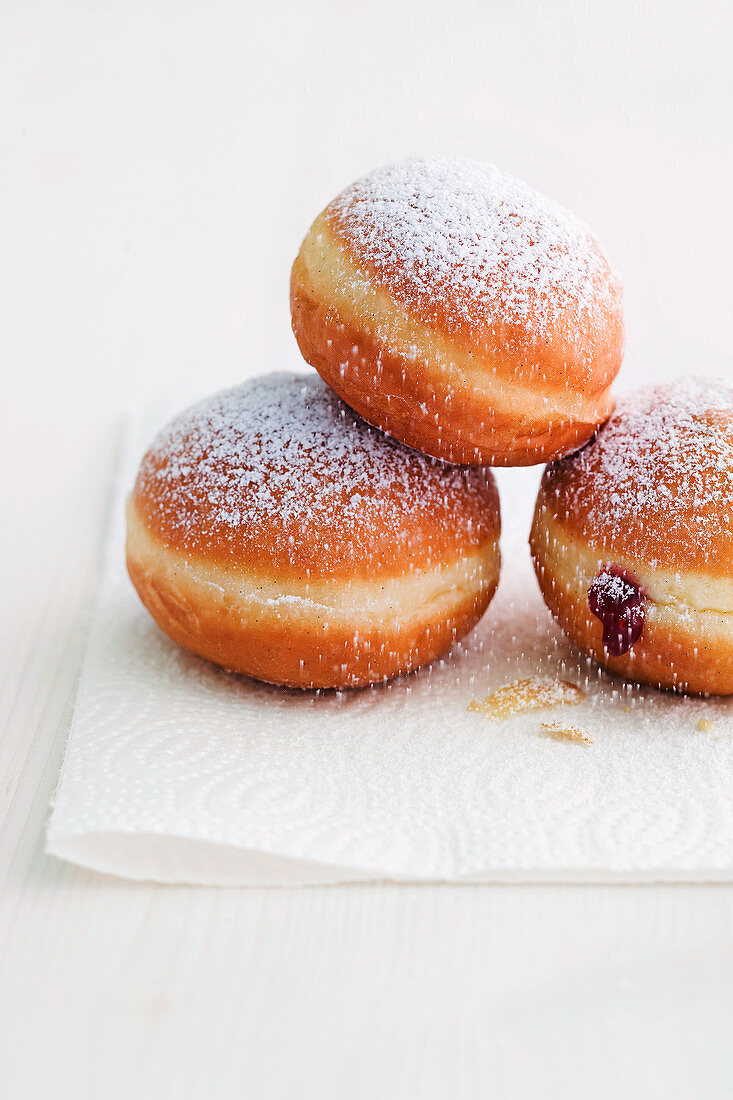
<point x="336" y="531"/>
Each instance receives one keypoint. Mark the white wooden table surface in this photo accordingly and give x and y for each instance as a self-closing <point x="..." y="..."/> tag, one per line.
<point x="160" y="164"/>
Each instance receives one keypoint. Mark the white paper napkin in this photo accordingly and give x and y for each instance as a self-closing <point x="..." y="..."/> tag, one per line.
<point x="178" y="772"/>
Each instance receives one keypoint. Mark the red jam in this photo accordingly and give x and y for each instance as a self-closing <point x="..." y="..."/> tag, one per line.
<point x="617" y="600"/>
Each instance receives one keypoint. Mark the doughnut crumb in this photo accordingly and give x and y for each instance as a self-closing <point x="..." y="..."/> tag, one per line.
<point x="559" y="732"/>
<point x="532" y="693"/>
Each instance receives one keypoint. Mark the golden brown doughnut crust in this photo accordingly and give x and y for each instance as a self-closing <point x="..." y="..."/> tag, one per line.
<point x="338" y="634"/>
<point x="460" y="311"/>
<point x="652" y="495"/>
<point x="274" y="532"/>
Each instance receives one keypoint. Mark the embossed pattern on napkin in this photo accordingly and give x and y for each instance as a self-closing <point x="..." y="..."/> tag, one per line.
<point x="177" y="771"/>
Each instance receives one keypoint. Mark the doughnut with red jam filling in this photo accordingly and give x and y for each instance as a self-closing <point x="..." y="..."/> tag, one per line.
<point x="632" y="539"/>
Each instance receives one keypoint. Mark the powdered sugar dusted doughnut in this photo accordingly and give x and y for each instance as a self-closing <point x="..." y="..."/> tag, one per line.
<point x="273" y="531"/>
<point x="461" y="311"/>
<point x="633" y="538"/>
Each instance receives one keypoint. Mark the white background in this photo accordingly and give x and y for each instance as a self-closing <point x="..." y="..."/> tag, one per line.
<point x="160" y="164"/>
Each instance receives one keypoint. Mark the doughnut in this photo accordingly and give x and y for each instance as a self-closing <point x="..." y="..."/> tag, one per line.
<point x="273" y="531"/>
<point x="632" y="539"/>
<point x="461" y="311"/>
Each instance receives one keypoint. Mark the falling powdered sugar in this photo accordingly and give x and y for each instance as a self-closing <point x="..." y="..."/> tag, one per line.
<point x="284" y="452"/>
<point x="665" y="457"/>
<point x="481" y="246"/>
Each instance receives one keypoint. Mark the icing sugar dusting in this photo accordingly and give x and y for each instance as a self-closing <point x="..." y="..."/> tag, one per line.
<point x="667" y="453"/>
<point x="285" y="451"/>
<point x="615" y="588"/>
<point x="478" y="244"/>
<point x="618" y="601"/>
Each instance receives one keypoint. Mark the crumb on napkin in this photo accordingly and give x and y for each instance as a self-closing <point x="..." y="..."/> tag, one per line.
<point x="534" y="693"/>
<point x="559" y="732"/>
